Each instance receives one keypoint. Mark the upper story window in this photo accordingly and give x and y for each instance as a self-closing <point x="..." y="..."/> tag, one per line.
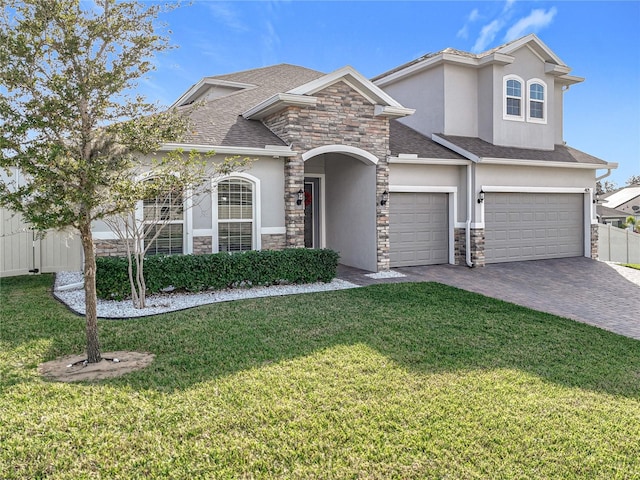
<point x="235" y="215"/>
<point x="537" y="101"/>
<point x="513" y="104"/>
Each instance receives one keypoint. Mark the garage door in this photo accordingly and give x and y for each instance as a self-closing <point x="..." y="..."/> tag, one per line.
<point x="533" y="226"/>
<point x="418" y="225"/>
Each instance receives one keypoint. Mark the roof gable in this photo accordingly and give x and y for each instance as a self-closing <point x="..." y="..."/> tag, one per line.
<point x="502" y="55"/>
<point x="303" y="95"/>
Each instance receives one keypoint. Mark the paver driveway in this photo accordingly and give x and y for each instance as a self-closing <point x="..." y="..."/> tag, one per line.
<point x="578" y="288"/>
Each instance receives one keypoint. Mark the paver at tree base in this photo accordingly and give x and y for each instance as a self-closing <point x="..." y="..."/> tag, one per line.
<point x="578" y="288"/>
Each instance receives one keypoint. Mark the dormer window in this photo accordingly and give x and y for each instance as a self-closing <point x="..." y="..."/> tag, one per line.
<point x="513" y="105"/>
<point x="537" y="101"/>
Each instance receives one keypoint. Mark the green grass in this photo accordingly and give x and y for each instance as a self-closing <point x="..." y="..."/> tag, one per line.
<point x="390" y="381"/>
<point x="633" y="265"/>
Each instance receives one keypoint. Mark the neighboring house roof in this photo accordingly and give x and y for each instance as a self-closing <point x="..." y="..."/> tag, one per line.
<point x="406" y="140"/>
<point x="219" y="121"/>
<point x="606" y="212"/>
<point x="499" y="55"/>
<point x="477" y="149"/>
<point x="622" y="196"/>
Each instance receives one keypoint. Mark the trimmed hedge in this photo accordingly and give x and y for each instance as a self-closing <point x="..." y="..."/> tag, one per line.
<point x="218" y="271"/>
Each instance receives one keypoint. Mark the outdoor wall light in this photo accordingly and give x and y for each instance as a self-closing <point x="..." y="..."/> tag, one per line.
<point x="385" y="198"/>
<point x="481" y="197"/>
<point x="300" y="197"/>
<point x="596" y="198"/>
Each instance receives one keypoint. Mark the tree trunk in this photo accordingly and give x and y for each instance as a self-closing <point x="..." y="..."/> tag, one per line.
<point x="91" y="316"/>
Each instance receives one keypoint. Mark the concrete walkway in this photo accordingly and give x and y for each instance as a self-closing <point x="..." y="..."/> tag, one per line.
<point x="585" y="290"/>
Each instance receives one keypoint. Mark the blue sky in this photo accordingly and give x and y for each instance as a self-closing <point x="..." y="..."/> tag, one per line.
<point x="599" y="40"/>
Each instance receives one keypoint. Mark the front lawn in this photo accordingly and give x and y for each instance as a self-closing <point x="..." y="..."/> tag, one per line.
<point x="390" y="381"/>
<point x="633" y="265"/>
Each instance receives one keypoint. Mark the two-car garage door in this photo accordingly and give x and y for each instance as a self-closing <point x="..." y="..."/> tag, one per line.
<point x="533" y="226"/>
<point x="518" y="226"/>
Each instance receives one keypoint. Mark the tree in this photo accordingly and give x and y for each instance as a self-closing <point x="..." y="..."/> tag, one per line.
<point x="633" y="180"/>
<point x="167" y="190"/>
<point x="605" y="187"/>
<point x="69" y="120"/>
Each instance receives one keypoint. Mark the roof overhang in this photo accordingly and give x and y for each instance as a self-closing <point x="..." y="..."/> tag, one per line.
<point x="278" y="102"/>
<point x="267" y="151"/>
<point x="519" y="162"/>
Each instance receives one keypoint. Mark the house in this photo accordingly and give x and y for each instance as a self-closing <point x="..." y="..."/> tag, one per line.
<point x="625" y="200"/>
<point x="452" y="158"/>
<point x="610" y="216"/>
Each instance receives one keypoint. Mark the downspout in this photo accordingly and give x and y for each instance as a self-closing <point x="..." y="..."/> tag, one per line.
<point x="467" y="231"/>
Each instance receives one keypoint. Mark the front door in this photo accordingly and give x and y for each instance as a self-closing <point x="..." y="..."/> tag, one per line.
<point x="311" y="212"/>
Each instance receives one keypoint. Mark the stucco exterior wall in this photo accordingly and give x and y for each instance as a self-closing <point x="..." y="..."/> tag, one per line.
<point x="486" y="100"/>
<point x="423" y="91"/>
<point x="461" y="101"/>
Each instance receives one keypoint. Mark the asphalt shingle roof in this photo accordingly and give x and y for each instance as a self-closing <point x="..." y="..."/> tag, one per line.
<point x="219" y="121"/>
<point x="560" y="153"/>
<point x="404" y="139"/>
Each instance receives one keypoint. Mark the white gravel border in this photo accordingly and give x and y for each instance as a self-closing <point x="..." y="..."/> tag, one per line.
<point x="171" y="302"/>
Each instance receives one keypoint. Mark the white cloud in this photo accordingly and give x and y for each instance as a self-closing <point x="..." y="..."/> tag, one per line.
<point x="270" y="43"/>
<point x="535" y="21"/>
<point x="487" y="35"/>
<point x="228" y="16"/>
<point x="472" y="17"/>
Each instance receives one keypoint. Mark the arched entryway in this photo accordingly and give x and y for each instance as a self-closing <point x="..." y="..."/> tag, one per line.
<point x="340" y="203"/>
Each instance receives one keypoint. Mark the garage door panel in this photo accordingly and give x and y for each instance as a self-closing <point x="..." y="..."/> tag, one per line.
<point x="419" y="231"/>
<point x="539" y="226"/>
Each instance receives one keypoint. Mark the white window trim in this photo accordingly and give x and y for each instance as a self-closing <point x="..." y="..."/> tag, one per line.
<point x="187" y="215"/>
<point x="531" y="119"/>
<point x="523" y="98"/>
<point x="256" y="244"/>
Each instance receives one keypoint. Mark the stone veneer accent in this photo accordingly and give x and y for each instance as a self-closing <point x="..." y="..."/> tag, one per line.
<point x="477" y="246"/>
<point x="341" y="117"/>
<point x="594" y="241"/>
<point x="110" y="248"/>
<point x="202" y="245"/>
<point x="274" y="241"/>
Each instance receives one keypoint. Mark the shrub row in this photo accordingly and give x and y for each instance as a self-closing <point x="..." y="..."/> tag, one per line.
<point x="218" y="271"/>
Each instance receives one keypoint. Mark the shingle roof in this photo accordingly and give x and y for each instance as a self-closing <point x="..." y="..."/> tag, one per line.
<point x="219" y="121"/>
<point x="607" y="212"/>
<point x="560" y="153"/>
<point x="622" y="196"/>
<point x="403" y="139"/>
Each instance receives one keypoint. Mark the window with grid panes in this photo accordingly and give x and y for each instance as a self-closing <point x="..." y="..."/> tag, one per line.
<point x="235" y="215"/>
<point x="164" y="212"/>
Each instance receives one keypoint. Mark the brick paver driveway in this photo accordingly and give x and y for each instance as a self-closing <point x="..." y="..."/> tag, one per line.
<point x="578" y="288"/>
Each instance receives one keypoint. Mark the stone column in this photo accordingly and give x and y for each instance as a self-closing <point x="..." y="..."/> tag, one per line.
<point x="293" y="213"/>
<point x="382" y="212"/>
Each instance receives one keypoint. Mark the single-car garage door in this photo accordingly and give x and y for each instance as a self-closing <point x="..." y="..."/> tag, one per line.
<point x="419" y="232"/>
<point x="533" y="226"/>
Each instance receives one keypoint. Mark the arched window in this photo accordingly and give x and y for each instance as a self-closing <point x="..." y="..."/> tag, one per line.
<point x="513" y="105"/>
<point x="163" y="219"/>
<point x="236" y="215"/>
<point x="537" y="101"/>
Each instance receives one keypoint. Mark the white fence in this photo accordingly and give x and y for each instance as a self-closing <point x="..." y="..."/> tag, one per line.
<point x="24" y="251"/>
<point x="618" y="245"/>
